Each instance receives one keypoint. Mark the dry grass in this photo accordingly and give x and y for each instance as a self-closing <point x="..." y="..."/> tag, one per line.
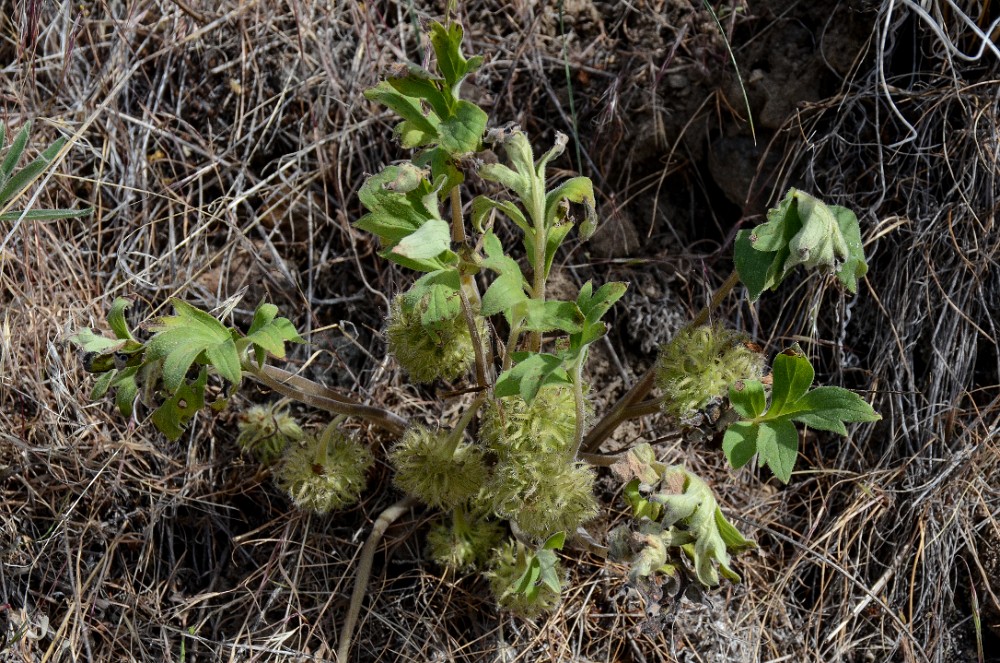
<point x="222" y="145"/>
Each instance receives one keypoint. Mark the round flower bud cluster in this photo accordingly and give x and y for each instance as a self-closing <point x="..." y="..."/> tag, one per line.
<point x="428" y="352"/>
<point x="543" y="495"/>
<point x="325" y="472"/>
<point x="265" y="431"/>
<point x="535" y="483"/>
<point x="546" y="425"/>
<point x="465" y="544"/>
<point x="508" y="567"/>
<point x="699" y="364"/>
<point x="430" y="468"/>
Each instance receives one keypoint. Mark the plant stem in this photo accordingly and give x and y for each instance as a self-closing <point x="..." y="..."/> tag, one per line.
<point x="477" y="341"/>
<point x="318" y="396"/>
<point x="457" y="222"/>
<point x="455" y="436"/>
<point x="512" y="338"/>
<point x="386" y="518"/>
<point x="581" y="404"/>
<point x="601" y="460"/>
<point x="537" y="213"/>
<point x="648" y="406"/>
<point x="621" y="410"/>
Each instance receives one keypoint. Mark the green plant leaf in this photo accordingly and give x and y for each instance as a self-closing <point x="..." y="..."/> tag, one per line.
<point x="192" y="335"/>
<point x="409" y="109"/>
<point x="641" y="507"/>
<point x="554" y="239"/>
<point x="752" y="265"/>
<point x="13" y="153"/>
<point x="26" y="175"/>
<point x="827" y="408"/>
<point x="447" y="44"/>
<point x="496" y="260"/>
<point x="126" y="387"/>
<point x="102" y="384"/>
<point x="509" y="178"/>
<point x="428" y="241"/>
<point x="688" y="520"/>
<point x="268" y="333"/>
<point x="173" y="415"/>
<point x="748" y="398"/>
<point x="396" y="199"/>
<point x="418" y="83"/>
<point x="552" y="314"/>
<point x="854" y="266"/>
<point x="740" y="443"/>
<point x="46" y="214"/>
<point x="400" y="202"/>
<point x="482" y="206"/>
<point x="778" y="447"/>
<point x="531" y="372"/>
<point x="594" y="305"/>
<point x="771" y="433"/>
<point x="801" y="230"/>
<point x="462" y="131"/>
<point x="520" y="177"/>
<point x="117" y="321"/>
<point x="437" y="293"/>
<point x="445" y="176"/>
<point x="433" y="115"/>
<point x="528" y="582"/>
<point x="575" y="190"/>
<point x="793" y="375"/>
<point x="89" y="341"/>
<point x="558" y="147"/>
<point x="555" y="542"/>
<point x="505" y="293"/>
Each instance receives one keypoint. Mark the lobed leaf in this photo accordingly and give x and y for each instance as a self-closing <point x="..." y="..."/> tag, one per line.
<point x="188" y="336"/>
<point x="269" y="333"/>
<point x="447" y="44"/>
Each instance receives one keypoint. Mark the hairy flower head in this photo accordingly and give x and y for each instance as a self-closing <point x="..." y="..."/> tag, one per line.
<point x="699" y="364"/>
<point x="265" y="431"/>
<point x="542" y="493"/>
<point x="465" y="543"/>
<point x="546" y="425"/>
<point x="325" y="472"/>
<point x="428" y="352"/>
<point x="428" y="468"/>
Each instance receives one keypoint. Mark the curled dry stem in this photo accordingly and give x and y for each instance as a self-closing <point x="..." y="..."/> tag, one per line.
<point x="324" y="398"/>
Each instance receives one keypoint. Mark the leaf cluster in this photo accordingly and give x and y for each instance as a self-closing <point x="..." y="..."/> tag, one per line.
<point x="527" y="581"/>
<point x="769" y="431"/>
<point x="677" y="519"/>
<point x="801" y="230"/>
<point x="170" y="370"/>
